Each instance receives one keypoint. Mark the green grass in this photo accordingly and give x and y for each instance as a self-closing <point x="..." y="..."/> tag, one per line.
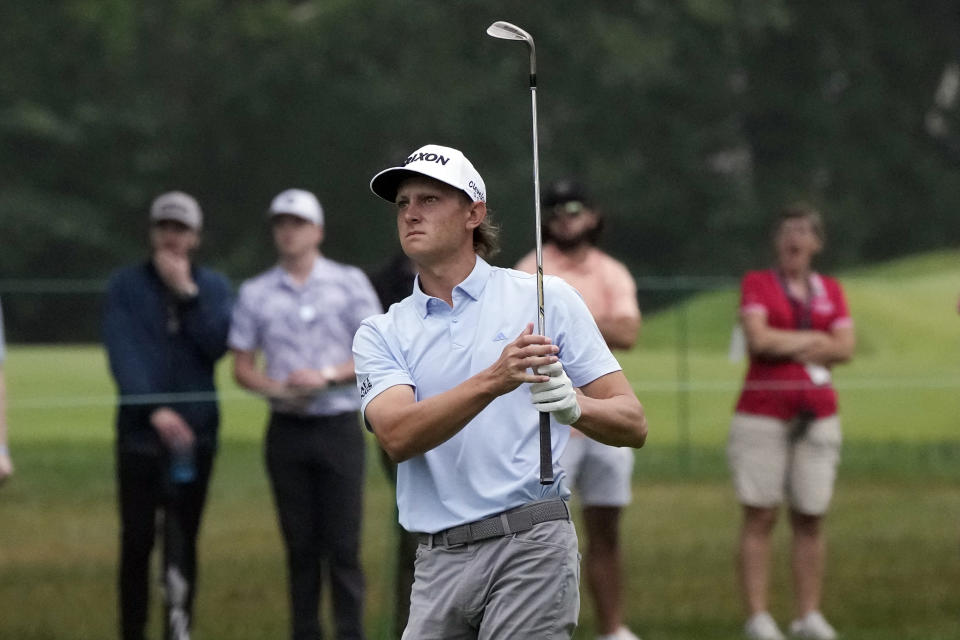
<point x="894" y="531"/>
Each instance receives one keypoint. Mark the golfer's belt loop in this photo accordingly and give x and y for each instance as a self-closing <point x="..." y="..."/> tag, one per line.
<point x="505" y="522"/>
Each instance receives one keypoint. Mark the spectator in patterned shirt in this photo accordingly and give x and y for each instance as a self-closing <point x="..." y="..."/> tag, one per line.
<point x="302" y="315"/>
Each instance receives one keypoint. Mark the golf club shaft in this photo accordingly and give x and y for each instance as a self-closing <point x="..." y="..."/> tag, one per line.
<point x="546" y="447"/>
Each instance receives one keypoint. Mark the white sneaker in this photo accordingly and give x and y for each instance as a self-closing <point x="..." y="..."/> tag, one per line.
<point x="812" y="626"/>
<point x="761" y="626"/>
<point x="621" y="633"/>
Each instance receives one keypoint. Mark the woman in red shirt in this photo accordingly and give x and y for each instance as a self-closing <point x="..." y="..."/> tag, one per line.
<point x="785" y="435"/>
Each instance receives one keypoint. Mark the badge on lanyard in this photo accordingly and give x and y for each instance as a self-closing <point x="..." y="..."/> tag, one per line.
<point x="307" y="312"/>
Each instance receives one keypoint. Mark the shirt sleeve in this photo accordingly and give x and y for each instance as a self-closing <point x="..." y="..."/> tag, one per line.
<point x="377" y="363"/>
<point x="752" y="299"/>
<point x="244" y="332"/>
<point x="366" y="302"/>
<point x="206" y="318"/>
<point x="583" y="351"/>
<point x="125" y="346"/>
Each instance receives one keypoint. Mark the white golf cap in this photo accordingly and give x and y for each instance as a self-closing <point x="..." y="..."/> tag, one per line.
<point x="434" y="161"/>
<point x="297" y="202"/>
<point x="179" y="207"/>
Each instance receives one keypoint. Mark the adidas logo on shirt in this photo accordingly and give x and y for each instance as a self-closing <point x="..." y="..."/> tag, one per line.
<point x="365" y="386"/>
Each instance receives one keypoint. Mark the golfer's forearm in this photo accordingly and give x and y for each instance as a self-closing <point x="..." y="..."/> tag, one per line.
<point x="417" y="427"/>
<point x="618" y="421"/>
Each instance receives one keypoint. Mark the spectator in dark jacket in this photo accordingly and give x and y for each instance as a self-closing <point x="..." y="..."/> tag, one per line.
<point x="165" y="326"/>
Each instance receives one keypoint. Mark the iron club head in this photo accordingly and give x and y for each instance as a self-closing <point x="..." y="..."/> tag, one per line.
<point x="508" y="31"/>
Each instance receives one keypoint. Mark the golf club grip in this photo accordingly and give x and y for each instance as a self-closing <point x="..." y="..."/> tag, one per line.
<point x="546" y="450"/>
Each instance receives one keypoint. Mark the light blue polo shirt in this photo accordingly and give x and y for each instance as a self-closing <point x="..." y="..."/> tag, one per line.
<point x="492" y="464"/>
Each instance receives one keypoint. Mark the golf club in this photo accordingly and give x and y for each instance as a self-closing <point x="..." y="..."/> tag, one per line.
<point x="507" y="31"/>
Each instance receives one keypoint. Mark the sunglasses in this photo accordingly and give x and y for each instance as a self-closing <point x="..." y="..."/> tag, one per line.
<point x="571" y="209"/>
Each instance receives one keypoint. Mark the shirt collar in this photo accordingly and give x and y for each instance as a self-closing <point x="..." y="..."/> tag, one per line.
<point x="316" y="273"/>
<point x="472" y="286"/>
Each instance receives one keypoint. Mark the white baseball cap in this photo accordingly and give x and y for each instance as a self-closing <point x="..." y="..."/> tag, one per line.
<point x="297" y="202"/>
<point x="434" y="161"/>
<point x="179" y="207"/>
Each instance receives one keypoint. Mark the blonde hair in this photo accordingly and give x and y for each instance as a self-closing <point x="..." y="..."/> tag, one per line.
<point x="486" y="238"/>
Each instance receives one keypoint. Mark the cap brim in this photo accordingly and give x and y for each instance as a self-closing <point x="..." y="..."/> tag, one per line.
<point x="386" y="183"/>
<point x="180" y="219"/>
<point x="296" y="214"/>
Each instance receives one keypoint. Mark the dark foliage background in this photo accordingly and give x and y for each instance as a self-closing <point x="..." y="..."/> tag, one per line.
<point x="692" y="121"/>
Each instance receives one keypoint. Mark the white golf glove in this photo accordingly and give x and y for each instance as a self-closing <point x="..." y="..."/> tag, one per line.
<point x="556" y="396"/>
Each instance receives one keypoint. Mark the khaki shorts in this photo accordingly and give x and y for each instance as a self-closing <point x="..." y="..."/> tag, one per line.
<point x="769" y="465"/>
<point x="597" y="473"/>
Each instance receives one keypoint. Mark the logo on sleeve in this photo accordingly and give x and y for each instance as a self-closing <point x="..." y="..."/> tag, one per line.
<point x="499" y="337"/>
<point x="365" y="386"/>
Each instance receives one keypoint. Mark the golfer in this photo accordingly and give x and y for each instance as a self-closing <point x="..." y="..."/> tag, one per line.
<point x="302" y="315"/>
<point x="6" y="464"/>
<point x="165" y="325"/>
<point x="785" y="435"/>
<point x="599" y="474"/>
<point x="448" y="385"/>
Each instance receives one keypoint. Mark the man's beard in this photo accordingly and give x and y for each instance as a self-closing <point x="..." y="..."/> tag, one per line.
<point x="571" y="243"/>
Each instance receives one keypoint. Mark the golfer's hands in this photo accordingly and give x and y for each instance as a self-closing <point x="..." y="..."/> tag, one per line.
<point x="174" y="269"/>
<point x="519" y="359"/>
<point x="556" y="396"/>
<point x="6" y="465"/>
<point x="173" y="430"/>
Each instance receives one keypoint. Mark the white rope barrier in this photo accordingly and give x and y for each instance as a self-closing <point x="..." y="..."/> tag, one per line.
<point x="642" y="388"/>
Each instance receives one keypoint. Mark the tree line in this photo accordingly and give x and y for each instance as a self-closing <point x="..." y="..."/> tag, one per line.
<point x="691" y="121"/>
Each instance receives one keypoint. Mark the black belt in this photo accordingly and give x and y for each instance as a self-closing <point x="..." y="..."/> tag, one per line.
<point x="515" y="520"/>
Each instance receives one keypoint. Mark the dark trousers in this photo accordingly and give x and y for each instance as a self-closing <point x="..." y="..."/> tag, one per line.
<point x="144" y="490"/>
<point x="316" y="469"/>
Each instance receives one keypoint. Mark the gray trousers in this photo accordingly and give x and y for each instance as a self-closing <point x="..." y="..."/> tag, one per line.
<point x="522" y="585"/>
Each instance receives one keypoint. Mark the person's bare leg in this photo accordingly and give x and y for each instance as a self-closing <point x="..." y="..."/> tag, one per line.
<point x="602" y="560"/>
<point x="754" y="556"/>
<point x="808" y="552"/>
